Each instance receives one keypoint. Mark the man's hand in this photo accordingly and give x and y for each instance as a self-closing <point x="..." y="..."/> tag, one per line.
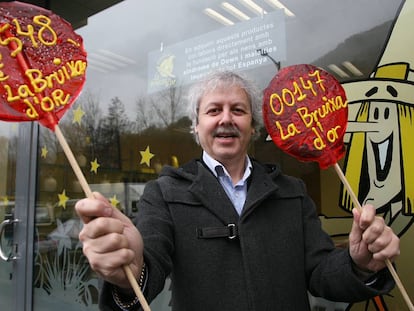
<point x="371" y="241"/>
<point x="110" y="240"/>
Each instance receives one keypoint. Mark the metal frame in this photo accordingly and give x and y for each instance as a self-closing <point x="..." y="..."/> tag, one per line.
<point x="26" y="164"/>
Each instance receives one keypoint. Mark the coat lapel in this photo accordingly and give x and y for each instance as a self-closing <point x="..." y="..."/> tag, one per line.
<point x="212" y="196"/>
<point x="260" y="188"/>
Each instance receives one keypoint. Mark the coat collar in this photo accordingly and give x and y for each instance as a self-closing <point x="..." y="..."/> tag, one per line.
<point x="222" y="207"/>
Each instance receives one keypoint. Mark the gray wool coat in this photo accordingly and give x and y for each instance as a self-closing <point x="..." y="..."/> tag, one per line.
<point x="266" y="259"/>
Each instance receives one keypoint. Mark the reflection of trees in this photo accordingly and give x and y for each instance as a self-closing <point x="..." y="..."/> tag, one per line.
<point x="80" y="137"/>
<point x="114" y="125"/>
<point x="167" y="105"/>
<point x="92" y="122"/>
<point x="93" y="113"/>
<point x="160" y="109"/>
<point x="143" y="115"/>
<point x="113" y="138"/>
<point x="98" y="134"/>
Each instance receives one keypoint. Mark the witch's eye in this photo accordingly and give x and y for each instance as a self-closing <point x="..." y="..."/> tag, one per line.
<point x="386" y="113"/>
<point x="376" y="113"/>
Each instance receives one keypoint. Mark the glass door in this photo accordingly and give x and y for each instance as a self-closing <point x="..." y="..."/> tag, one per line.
<point x="62" y="277"/>
<point x="7" y="211"/>
<point x="17" y="168"/>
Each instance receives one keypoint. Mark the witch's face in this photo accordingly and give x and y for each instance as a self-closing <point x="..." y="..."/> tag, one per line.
<point x="383" y="154"/>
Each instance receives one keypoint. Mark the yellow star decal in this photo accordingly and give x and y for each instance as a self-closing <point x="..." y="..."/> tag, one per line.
<point x="63" y="199"/>
<point x="44" y="152"/>
<point x="146" y="156"/>
<point x="78" y="113"/>
<point x="94" y="166"/>
<point x="114" y="201"/>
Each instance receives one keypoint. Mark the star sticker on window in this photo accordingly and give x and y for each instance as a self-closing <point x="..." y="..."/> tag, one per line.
<point x="44" y="152"/>
<point x="63" y="199"/>
<point x="114" y="201"/>
<point x="146" y="156"/>
<point x="94" y="166"/>
<point x="78" y="113"/>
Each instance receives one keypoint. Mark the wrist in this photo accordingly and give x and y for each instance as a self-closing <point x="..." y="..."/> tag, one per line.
<point x="124" y="301"/>
<point x="125" y="298"/>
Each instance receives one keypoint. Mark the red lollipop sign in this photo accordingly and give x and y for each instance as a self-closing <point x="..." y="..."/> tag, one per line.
<point x="305" y="112"/>
<point x="42" y="64"/>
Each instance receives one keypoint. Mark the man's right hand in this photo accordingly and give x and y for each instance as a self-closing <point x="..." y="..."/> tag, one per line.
<point x="110" y="240"/>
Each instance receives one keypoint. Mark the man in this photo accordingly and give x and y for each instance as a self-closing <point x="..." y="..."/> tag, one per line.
<point x="232" y="233"/>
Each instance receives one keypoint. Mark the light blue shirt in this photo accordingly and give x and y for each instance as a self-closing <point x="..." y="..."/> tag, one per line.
<point x="237" y="193"/>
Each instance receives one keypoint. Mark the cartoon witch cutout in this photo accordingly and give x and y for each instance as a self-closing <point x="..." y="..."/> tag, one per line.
<point x="381" y="128"/>
<point x="379" y="163"/>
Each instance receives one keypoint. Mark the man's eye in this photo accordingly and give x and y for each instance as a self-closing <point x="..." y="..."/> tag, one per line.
<point x="213" y="111"/>
<point x="238" y="111"/>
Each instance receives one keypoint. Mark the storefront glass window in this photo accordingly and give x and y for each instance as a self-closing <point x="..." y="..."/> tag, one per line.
<point x="131" y="120"/>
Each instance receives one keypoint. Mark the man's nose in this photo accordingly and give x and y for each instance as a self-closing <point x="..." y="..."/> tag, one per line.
<point x="226" y="117"/>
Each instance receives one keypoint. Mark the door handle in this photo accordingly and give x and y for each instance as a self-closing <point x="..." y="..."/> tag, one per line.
<point x="3" y="225"/>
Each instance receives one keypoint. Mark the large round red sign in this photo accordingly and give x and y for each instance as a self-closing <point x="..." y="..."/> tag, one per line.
<point x="305" y="112"/>
<point x="42" y="64"/>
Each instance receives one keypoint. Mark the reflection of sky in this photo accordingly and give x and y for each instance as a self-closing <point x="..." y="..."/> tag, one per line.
<point x="135" y="28"/>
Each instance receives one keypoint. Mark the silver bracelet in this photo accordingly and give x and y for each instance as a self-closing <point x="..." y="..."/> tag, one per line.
<point x="125" y="306"/>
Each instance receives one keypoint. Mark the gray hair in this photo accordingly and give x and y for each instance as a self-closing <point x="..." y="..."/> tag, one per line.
<point x="224" y="79"/>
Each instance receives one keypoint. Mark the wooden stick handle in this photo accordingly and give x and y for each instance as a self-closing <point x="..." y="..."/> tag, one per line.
<point x="75" y="166"/>
<point x="387" y="261"/>
<point x="136" y="288"/>
<point x="88" y="192"/>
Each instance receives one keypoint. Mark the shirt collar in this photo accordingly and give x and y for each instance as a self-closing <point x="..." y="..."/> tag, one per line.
<point x="213" y="164"/>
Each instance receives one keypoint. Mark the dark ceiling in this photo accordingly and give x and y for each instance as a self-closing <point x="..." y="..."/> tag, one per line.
<point x="74" y="11"/>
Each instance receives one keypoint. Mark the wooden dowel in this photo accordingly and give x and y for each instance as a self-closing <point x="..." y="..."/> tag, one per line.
<point x="73" y="163"/>
<point x="88" y="192"/>
<point x="136" y="288"/>
<point x="387" y="261"/>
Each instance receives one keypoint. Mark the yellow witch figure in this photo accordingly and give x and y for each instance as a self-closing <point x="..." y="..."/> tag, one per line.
<point x="379" y="163"/>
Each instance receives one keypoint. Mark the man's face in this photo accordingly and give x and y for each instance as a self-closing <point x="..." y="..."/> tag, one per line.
<point x="224" y="124"/>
